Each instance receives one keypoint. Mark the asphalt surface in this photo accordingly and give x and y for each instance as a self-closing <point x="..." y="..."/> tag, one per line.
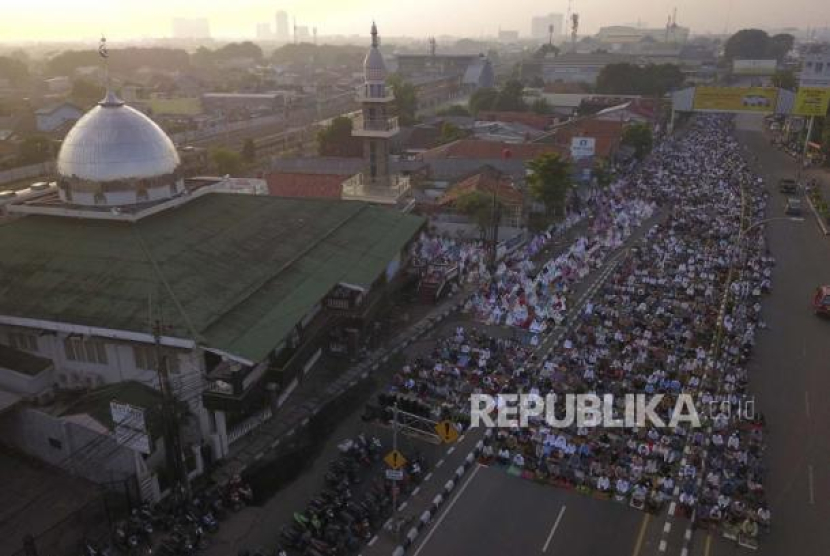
<point x="790" y="374"/>
<point x="495" y="513"/>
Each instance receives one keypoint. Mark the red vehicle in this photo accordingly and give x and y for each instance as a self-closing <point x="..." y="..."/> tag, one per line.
<point x="821" y="300"/>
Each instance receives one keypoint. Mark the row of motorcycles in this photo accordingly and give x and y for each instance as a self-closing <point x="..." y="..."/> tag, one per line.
<point x="345" y="514"/>
<point x="183" y="525"/>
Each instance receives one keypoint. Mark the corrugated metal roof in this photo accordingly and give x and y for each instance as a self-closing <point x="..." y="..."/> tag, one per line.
<point x="234" y="272"/>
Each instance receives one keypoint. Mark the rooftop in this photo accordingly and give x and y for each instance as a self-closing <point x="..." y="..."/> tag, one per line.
<point x="21" y="361"/>
<point x="232" y="272"/>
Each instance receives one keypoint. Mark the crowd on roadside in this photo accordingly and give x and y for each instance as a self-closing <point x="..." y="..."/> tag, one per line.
<point x="656" y="326"/>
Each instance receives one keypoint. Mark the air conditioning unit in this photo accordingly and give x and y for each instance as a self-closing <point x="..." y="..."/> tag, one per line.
<point x="76" y="379"/>
<point x="63" y="380"/>
<point x="97" y="380"/>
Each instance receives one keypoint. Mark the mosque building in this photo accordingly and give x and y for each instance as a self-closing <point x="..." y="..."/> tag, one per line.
<point x="122" y="274"/>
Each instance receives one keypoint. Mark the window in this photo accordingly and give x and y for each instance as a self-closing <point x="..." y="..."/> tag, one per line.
<point x="145" y="359"/>
<point x="23" y="341"/>
<point x="819" y="67"/>
<point x="87" y="350"/>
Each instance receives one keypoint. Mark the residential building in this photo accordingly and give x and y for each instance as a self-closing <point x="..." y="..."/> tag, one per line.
<point x="123" y="274"/>
<point x="574" y="67"/>
<point x="815" y="68"/>
<point x="52" y="118"/>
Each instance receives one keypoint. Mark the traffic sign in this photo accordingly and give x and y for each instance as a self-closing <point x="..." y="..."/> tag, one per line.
<point x="394" y="474"/>
<point x="395" y="459"/>
<point x="447" y="432"/>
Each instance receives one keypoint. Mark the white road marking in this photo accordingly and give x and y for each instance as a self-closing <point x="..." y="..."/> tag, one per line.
<point x="667" y="527"/>
<point x="553" y="529"/>
<point x="447" y="510"/>
<point x="810" y="484"/>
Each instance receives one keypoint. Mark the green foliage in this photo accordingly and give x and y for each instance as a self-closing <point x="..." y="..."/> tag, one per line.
<point x="454" y="110"/>
<point x="12" y="69"/>
<point x="631" y="79"/>
<point x="449" y="133"/>
<point x="603" y="174"/>
<point x="785" y="79"/>
<point x="325" y="56"/>
<point x="479" y="207"/>
<point x="249" y="150"/>
<point x="755" y="44"/>
<point x="540" y="106"/>
<point x="482" y="100"/>
<point x="205" y="57"/>
<point x="122" y="60"/>
<point x="550" y="180"/>
<point x="226" y="161"/>
<point x="510" y="97"/>
<point x="546" y="49"/>
<point x="33" y="150"/>
<point x="406" y="99"/>
<point x="639" y="137"/>
<point x="780" y="45"/>
<point x="86" y="92"/>
<point x="337" y="140"/>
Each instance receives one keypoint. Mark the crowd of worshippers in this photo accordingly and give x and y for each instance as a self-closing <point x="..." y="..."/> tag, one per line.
<point x="655" y="326"/>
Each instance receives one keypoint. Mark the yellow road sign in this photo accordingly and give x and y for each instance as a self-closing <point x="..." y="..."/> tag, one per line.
<point x="446" y="431"/>
<point x="811" y="101"/>
<point x="395" y="459"/>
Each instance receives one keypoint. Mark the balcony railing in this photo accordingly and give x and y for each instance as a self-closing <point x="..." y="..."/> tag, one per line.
<point x="360" y="188"/>
<point x="379" y="125"/>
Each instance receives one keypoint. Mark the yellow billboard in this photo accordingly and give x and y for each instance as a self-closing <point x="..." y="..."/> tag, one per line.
<point x="735" y="99"/>
<point x="811" y="101"/>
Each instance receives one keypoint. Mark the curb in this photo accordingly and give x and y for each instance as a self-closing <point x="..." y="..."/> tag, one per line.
<point x="438" y="501"/>
<point x="821" y="224"/>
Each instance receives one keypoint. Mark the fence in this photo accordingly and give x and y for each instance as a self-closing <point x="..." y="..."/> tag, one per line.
<point x="93" y="521"/>
<point x="23" y="172"/>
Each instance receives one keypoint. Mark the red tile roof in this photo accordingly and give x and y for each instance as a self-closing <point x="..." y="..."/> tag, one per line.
<point x="320" y="186"/>
<point x="607" y="134"/>
<point x="486" y="180"/>
<point x="479" y="148"/>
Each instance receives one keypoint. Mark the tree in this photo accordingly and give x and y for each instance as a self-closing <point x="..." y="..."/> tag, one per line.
<point x="86" y="92"/>
<point x="631" y="79"/>
<point x="226" y="161"/>
<point x="482" y="100"/>
<point x="337" y="140"/>
<point x="638" y="136"/>
<point x="550" y="180"/>
<point x="544" y="50"/>
<point x="406" y="99"/>
<point x="33" y="150"/>
<point x="13" y="69"/>
<point x="479" y="207"/>
<point x="540" y="106"/>
<point x="510" y="97"/>
<point x="785" y="79"/>
<point x="780" y="45"/>
<point x="449" y="133"/>
<point x="747" y="44"/>
<point x="454" y="110"/>
<point x="249" y="150"/>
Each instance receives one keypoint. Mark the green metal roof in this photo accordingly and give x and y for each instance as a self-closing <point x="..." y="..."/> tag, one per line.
<point x="234" y="272"/>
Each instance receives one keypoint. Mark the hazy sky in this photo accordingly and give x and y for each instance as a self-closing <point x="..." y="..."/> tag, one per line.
<point x="86" y="19"/>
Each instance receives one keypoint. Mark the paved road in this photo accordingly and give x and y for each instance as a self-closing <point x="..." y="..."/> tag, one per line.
<point x="495" y="513"/>
<point x="790" y="376"/>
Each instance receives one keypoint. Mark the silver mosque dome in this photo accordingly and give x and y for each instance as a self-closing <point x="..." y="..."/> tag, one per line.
<point x="374" y="68"/>
<point x="115" y="142"/>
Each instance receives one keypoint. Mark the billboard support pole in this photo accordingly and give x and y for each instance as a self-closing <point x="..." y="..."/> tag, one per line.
<point x="803" y="153"/>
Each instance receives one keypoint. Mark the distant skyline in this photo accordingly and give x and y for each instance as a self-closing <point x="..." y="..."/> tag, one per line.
<point x="62" y="20"/>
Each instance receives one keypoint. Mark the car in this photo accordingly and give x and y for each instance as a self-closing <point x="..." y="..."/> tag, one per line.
<point x="821" y="300"/>
<point x="792" y="207"/>
<point x="788" y="186"/>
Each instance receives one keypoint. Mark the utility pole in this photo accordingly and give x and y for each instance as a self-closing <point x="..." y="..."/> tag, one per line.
<point x="494" y="229"/>
<point x="395" y="448"/>
<point x="172" y="438"/>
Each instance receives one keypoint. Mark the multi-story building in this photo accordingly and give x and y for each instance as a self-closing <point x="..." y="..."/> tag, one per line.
<point x="282" y="26"/>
